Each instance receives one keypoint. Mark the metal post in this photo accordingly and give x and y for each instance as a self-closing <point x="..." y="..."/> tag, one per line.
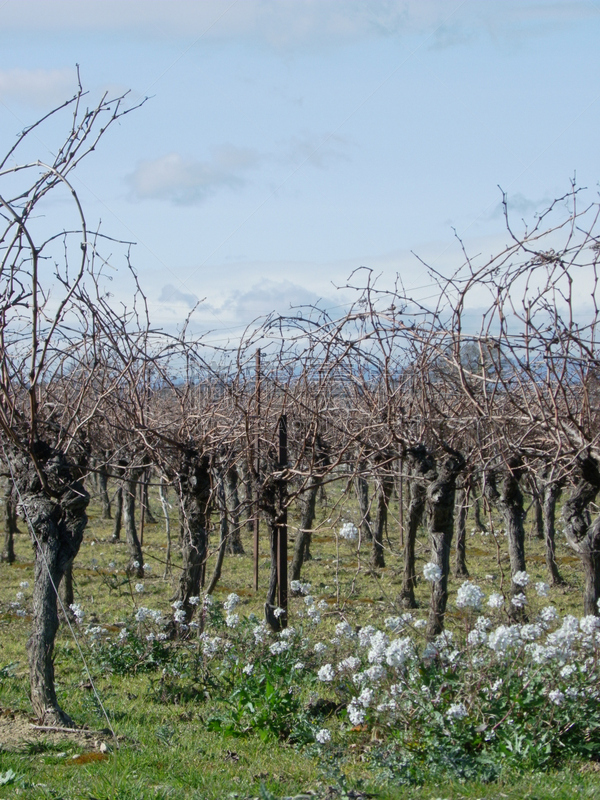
<point x="401" y="502"/>
<point x="257" y="466"/>
<point x="282" y="532"/>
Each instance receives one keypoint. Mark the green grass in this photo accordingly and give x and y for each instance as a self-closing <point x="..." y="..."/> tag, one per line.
<point x="164" y="749"/>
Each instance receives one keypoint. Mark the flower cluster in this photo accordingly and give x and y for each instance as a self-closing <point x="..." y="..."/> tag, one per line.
<point x="431" y="572"/>
<point x="349" y="532"/>
<point x="469" y="595"/>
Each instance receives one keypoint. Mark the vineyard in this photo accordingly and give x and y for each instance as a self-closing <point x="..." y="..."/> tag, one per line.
<point x="364" y="544"/>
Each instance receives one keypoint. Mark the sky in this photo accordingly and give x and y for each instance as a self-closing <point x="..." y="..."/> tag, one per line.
<point x="287" y="143"/>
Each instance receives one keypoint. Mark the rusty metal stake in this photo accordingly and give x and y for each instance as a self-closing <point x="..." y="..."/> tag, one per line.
<point x="257" y="463"/>
<point x="282" y="531"/>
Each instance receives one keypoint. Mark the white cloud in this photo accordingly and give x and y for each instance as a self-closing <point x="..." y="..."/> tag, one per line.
<point x="519" y="205"/>
<point x="291" y="24"/>
<point x="170" y="295"/>
<point x="186" y="181"/>
<point x="319" y="151"/>
<point x="265" y="297"/>
<point x="37" y="87"/>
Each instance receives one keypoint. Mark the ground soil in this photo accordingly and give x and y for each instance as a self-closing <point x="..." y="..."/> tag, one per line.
<point x="18" y="731"/>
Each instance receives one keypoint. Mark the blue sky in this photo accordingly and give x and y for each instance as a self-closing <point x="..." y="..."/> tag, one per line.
<point x="288" y="142"/>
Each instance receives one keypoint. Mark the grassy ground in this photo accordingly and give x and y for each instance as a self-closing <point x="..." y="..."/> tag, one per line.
<point x="164" y="749"/>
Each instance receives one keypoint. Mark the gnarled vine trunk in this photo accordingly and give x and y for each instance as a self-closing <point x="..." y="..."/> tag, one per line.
<point x="440" y="512"/>
<point x="420" y="464"/>
<point x="54" y="507"/>
<point x="462" y="507"/>
<point x="129" y="480"/>
<point x="551" y="492"/>
<point x="194" y="488"/>
<point x="362" y="495"/>
<point x="503" y="489"/>
<point x="232" y="503"/>
<point x="384" y="492"/>
<point x="583" y="536"/>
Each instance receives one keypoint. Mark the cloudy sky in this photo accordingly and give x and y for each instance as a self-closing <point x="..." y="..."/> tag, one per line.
<point x="288" y="142"/>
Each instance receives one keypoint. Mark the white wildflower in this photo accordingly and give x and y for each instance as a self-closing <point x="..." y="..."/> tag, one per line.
<point x="248" y="669"/>
<point x="589" y="624"/>
<point x="519" y="600"/>
<point x="567" y="670"/>
<point x="20" y="596"/>
<point x="477" y="637"/>
<point x="431" y="572"/>
<point x="542" y="589"/>
<point x="231" y="603"/>
<point x="344" y="629"/>
<point x="375" y="673"/>
<point x="349" y="532"/>
<point x="260" y="632"/>
<point x="457" y="711"/>
<point x="399" y="652"/>
<point x="323" y="736"/>
<point x="142" y="613"/>
<point x="210" y="644"/>
<point x="379" y="643"/>
<point x="194" y="601"/>
<point x="349" y="664"/>
<point x="179" y="615"/>
<point x="24" y="584"/>
<point x="279" y="647"/>
<point x="78" y="612"/>
<point x="320" y="647"/>
<point x="396" y="624"/>
<point x="548" y="614"/>
<point x="356" y="714"/>
<point x="531" y="632"/>
<point x="139" y="587"/>
<point x="469" y="595"/>
<point x="495" y="600"/>
<point x="326" y="673"/>
<point x="364" y="635"/>
<point x="520" y="578"/>
<point x="556" y="697"/>
<point x="298" y="666"/>
<point x="365" y="698"/>
<point x="299" y="587"/>
<point x="232" y="620"/>
<point x="504" y="638"/>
